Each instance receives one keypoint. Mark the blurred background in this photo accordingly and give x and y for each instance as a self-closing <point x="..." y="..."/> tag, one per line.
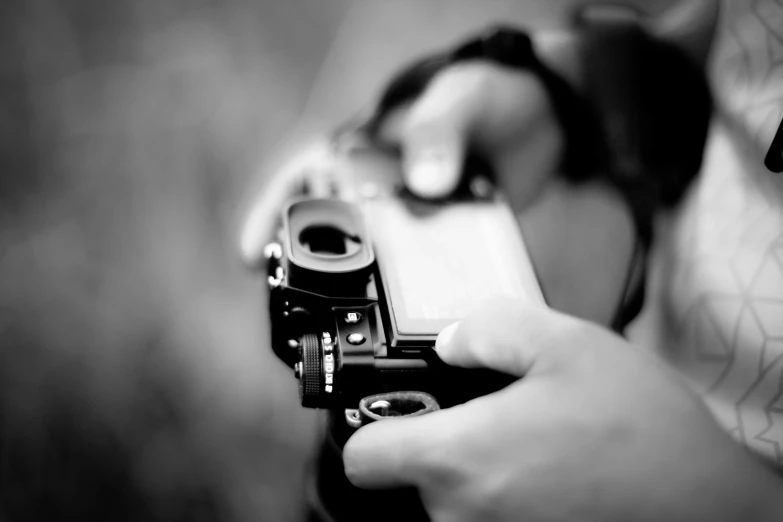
<point x="136" y="382"/>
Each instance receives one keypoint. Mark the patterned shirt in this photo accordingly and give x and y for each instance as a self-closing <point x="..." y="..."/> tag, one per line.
<point x="716" y="305"/>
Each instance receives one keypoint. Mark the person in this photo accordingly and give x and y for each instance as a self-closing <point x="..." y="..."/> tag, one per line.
<point x="682" y="420"/>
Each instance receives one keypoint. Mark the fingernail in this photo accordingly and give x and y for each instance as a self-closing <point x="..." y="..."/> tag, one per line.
<point x="432" y="174"/>
<point x="444" y="338"/>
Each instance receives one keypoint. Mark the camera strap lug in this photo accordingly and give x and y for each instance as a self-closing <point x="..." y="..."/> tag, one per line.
<point x="273" y="252"/>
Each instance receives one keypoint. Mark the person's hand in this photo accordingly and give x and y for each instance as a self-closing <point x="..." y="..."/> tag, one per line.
<point x="580" y="237"/>
<point x="502" y="114"/>
<point x="595" y="430"/>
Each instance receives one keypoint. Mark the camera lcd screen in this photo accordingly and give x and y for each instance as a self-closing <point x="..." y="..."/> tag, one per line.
<point x="440" y="262"/>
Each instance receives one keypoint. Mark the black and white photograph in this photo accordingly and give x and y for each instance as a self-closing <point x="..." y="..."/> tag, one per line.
<point x="391" y="260"/>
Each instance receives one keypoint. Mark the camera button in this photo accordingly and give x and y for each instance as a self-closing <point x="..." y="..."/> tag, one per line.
<point x="356" y="339"/>
<point x="353" y="317"/>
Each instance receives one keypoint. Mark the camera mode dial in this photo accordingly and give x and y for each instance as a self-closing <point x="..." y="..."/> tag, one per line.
<point x="316" y="370"/>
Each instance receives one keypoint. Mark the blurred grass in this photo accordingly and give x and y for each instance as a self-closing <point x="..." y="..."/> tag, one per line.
<point x="136" y="377"/>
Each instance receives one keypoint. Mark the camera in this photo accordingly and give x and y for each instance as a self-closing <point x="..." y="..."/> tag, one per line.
<point x="360" y="289"/>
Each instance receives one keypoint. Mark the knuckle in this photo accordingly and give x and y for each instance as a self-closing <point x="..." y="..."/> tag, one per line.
<point x="571" y="336"/>
<point x="577" y="346"/>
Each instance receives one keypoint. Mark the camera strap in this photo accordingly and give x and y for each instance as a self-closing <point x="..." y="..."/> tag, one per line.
<point x="654" y="106"/>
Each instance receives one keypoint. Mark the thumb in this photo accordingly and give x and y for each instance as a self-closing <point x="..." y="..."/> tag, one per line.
<point x="517" y="338"/>
<point x="404" y="451"/>
<point x="473" y="103"/>
<point x="508" y="336"/>
<point x="434" y="131"/>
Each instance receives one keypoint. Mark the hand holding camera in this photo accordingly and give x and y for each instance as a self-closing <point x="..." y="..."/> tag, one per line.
<point x="359" y="293"/>
<point x="595" y="430"/>
<point x="568" y="439"/>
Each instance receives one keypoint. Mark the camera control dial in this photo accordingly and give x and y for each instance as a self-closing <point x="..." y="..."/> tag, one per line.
<point x="310" y="366"/>
<point x="316" y="370"/>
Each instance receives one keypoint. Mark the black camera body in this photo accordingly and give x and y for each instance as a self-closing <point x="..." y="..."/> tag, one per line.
<point x="360" y="290"/>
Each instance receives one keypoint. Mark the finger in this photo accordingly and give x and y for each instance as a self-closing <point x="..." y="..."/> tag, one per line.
<point x="403" y="452"/>
<point x="435" y="130"/>
<point x="308" y="172"/>
<point x="515" y="338"/>
<point x="473" y="104"/>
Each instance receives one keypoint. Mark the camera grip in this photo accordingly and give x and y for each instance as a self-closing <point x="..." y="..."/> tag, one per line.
<point x="341" y="500"/>
<point x="460" y="385"/>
